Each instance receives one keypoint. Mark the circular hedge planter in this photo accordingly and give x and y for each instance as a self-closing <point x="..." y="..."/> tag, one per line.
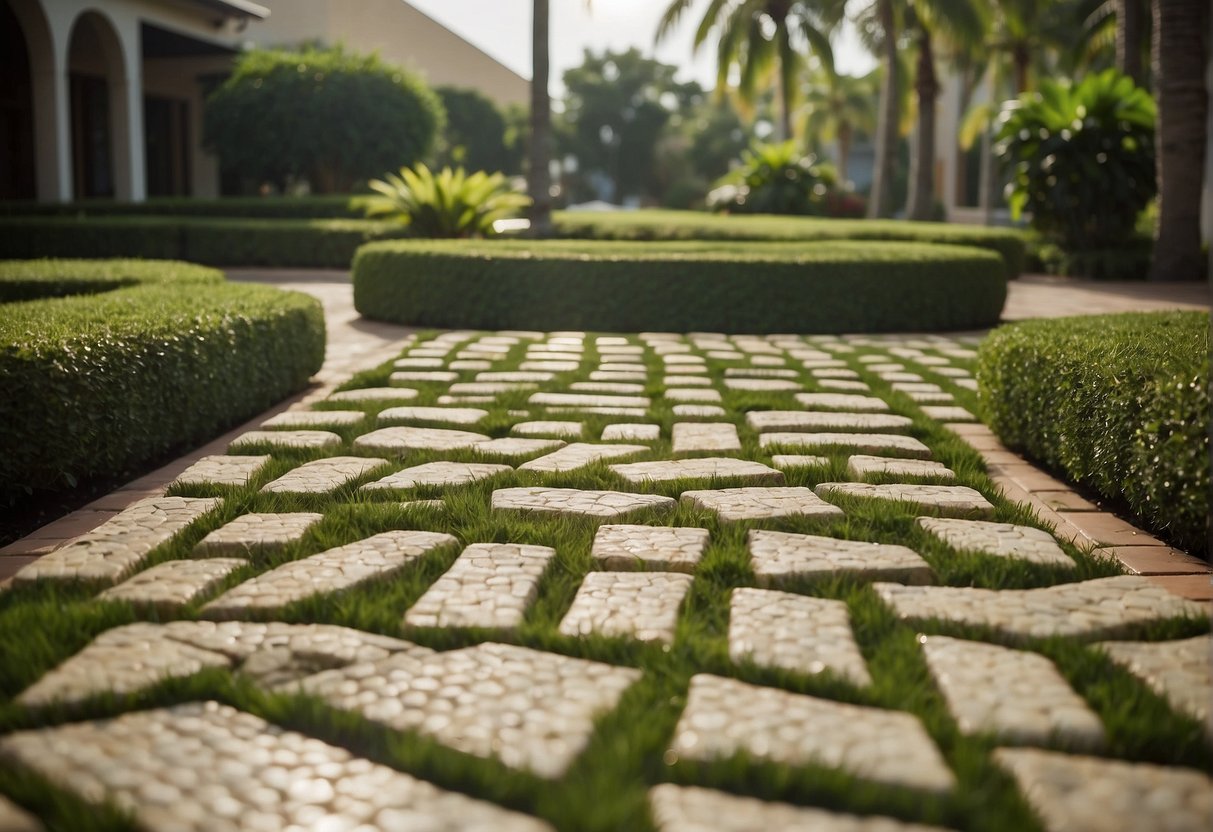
<point x="680" y="286"/>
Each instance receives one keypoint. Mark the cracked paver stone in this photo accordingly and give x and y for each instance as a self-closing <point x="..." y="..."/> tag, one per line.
<point x="222" y="469"/>
<point x="257" y="532"/>
<point x="907" y="445"/>
<point x="1003" y="540"/>
<point x="571" y="430"/>
<point x="724" y="717"/>
<point x="314" y="419"/>
<point x="1073" y="793"/>
<point x="779" y="557"/>
<point x="785" y="461"/>
<point x="842" y="401"/>
<point x="861" y="466"/>
<point x="320" y="476"/>
<point x="771" y="421"/>
<point x="578" y="455"/>
<point x="695" y="809"/>
<point x="705" y="436"/>
<point x="759" y="503"/>
<point x="1099" y="608"/>
<point x="208" y="767"/>
<point x="438" y="473"/>
<point x="575" y="502"/>
<point x="306" y="439"/>
<point x="118" y="546"/>
<point x="529" y="708"/>
<point x="639" y="605"/>
<point x="401" y="439"/>
<point x="373" y="394"/>
<point x="1016" y="695"/>
<point x="1179" y="671"/>
<point x="709" y="467"/>
<point x="488" y="585"/>
<point x="949" y="500"/>
<point x="649" y="547"/>
<point x="173" y="584"/>
<point x="450" y="415"/>
<point x="629" y="432"/>
<point x="794" y="632"/>
<point x="333" y="570"/>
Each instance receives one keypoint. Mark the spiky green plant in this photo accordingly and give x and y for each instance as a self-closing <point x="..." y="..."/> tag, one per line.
<point x="449" y="203"/>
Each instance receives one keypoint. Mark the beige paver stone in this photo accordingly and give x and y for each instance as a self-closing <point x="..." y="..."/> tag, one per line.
<point x="547" y="428"/>
<point x="453" y="415"/>
<point x="306" y="439"/>
<point x="435" y="376"/>
<point x="680" y="359"/>
<point x="761" y="503"/>
<point x="587" y="400"/>
<point x="967" y="383"/>
<point x="530" y="709"/>
<point x="692" y="394"/>
<point x="445" y="400"/>
<point x="1073" y="793"/>
<point x="314" y="419"/>
<point x="945" y="413"/>
<point x="896" y="443"/>
<point x="373" y="394"/>
<point x="15" y="819"/>
<point x="609" y="375"/>
<point x="488" y="585"/>
<point x="1015" y="695"/>
<point x="173" y="584"/>
<point x="1179" y="671"/>
<point x="686" y="381"/>
<point x="614" y="387"/>
<point x="257" y="532"/>
<point x="512" y="447"/>
<point x="952" y="500"/>
<point x="321" y="476"/>
<point x="639" y="605"/>
<point x="699" y="468"/>
<point x="471" y="361"/>
<point x="778" y="557"/>
<point x="763" y="385"/>
<point x="724" y="717"/>
<point x="1100" y="608"/>
<point x="222" y="469"/>
<point x="833" y="372"/>
<point x="631" y="412"/>
<point x="438" y="474"/>
<point x="794" y="632"/>
<point x="916" y="386"/>
<point x="752" y="372"/>
<point x="516" y="376"/>
<point x="695" y="809"/>
<point x="649" y="547"/>
<point x="842" y="401"/>
<point x="700" y="411"/>
<point x="632" y="432"/>
<point x="549" y="366"/>
<point x="690" y="437"/>
<point x="575" y="502"/>
<point x="786" y="461"/>
<point x="1004" y="540"/>
<point x="578" y="455"/>
<point x="206" y="767"/>
<point x="399" y="440"/>
<point x="488" y="388"/>
<point x="843" y="384"/>
<point x="767" y="421"/>
<point x="118" y="546"/>
<point x="861" y="466"/>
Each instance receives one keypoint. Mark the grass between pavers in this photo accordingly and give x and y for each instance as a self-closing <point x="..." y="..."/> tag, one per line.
<point x="606" y="786"/>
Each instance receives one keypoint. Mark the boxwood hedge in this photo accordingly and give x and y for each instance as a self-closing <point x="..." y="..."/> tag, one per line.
<point x="1118" y="403"/>
<point x="726" y="287"/>
<point x="121" y="362"/>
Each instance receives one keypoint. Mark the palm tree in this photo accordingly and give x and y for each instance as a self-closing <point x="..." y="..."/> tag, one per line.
<point x="877" y="22"/>
<point x="835" y="108"/>
<point x="754" y="35"/>
<point x="1180" y="56"/>
<point x="540" y="149"/>
<point x="1129" y="28"/>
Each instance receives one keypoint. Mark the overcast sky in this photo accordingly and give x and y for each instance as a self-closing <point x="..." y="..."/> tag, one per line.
<point x="502" y="28"/>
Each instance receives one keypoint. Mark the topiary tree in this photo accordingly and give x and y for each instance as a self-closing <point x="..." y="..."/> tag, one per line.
<point x="475" y="134"/>
<point x="326" y="116"/>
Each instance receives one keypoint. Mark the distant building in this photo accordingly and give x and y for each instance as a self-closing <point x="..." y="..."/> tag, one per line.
<point x="104" y="98"/>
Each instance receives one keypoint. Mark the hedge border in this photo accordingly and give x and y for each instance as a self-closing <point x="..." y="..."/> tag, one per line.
<point x="726" y="287"/>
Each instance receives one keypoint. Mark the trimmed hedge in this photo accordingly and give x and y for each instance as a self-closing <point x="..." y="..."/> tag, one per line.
<point x="213" y="242"/>
<point x="96" y="384"/>
<point x="727" y="287"/>
<point x="696" y="225"/>
<point x="1118" y="403"/>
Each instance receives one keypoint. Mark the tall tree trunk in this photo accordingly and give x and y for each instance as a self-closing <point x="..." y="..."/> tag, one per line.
<point x="1021" y="57"/>
<point x="880" y="200"/>
<point x="921" y="202"/>
<point x="1128" y="38"/>
<point x="539" y="183"/>
<point x="1180" y="54"/>
<point x="785" y="107"/>
<point x="845" y="133"/>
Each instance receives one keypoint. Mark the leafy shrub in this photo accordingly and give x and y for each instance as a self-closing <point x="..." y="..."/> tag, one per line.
<point x="1081" y="158"/>
<point x="680" y="287"/>
<point x="775" y="179"/>
<point x="474" y="137"/>
<point x="95" y="384"/>
<point x="450" y="203"/>
<point x="1118" y="403"/>
<point x="323" y="115"/>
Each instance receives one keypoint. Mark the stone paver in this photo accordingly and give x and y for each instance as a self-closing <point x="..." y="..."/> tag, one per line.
<point x="530" y="709"/>
<point x="785" y="462"/>
<point x="699" y="468"/>
<point x="699" y="411"/>
<point x="760" y="503"/>
<point x="222" y="469"/>
<point x="15" y="819"/>
<point x="488" y="388"/>
<point x="450" y="415"/>
<point x="794" y="632"/>
<point x="686" y="381"/>
<point x="724" y="717"/>
<point x="575" y="502"/>
<point x="514" y="377"/>
<point x="861" y="466"/>
<point x="257" y="532"/>
<point x="321" y="476"/>
<point x="305" y="439"/>
<point x="489" y="585"/>
<point x="892" y="442"/>
<point x="401" y="439"/>
<point x="690" y="437"/>
<point x="630" y="432"/>
<point x="587" y="400"/>
<point x="770" y="421"/>
<point x="174" y="583"/>
<point x="695" y="809"/>
<point x="639" y="605"/>
<point x="649" y="547"/>
<point x="763" y="385"/>
<point x="945" y="413"/>
<point x="578" y="455"/>
<point x="315" y="419"/>
<point x="778" y="557"/>
<point x="1179" y="671"/>
<point x="1004" y="540"/>
<point x="842" y="401"/>
<point x="953" y="500"/>
<point x="118" y="546"/>
<point x="1100" y="608"/>
<point x="438" y="473"/>
<point x="570" y="430"/>
<point x="1013" y="694"/>
<point x="375" y="557"/>
<point x="1089" y="794"/>
<point x="374" y="394"/>
<point x="211" y="768"/>
<point x="512" y="447"/>
<point x="605" y="387"/>
<point x="435" y="376"/>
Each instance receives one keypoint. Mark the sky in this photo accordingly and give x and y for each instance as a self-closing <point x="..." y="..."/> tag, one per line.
<point x="502" y="28"/>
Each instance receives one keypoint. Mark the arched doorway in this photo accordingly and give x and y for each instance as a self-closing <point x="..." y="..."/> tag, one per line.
<point x="17" y="158"/>
<point x="96" y="77"/>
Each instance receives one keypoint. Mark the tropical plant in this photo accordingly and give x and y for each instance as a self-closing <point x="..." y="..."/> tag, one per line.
<point x="775" y="179"/>
<point x="836" y="108"/>
<point x="877" y="22"/>
<point x="1081" y="158"/>
<point x="450" y="203"/>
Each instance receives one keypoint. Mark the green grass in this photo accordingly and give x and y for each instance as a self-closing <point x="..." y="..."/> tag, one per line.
<point x="606" y="786"/>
